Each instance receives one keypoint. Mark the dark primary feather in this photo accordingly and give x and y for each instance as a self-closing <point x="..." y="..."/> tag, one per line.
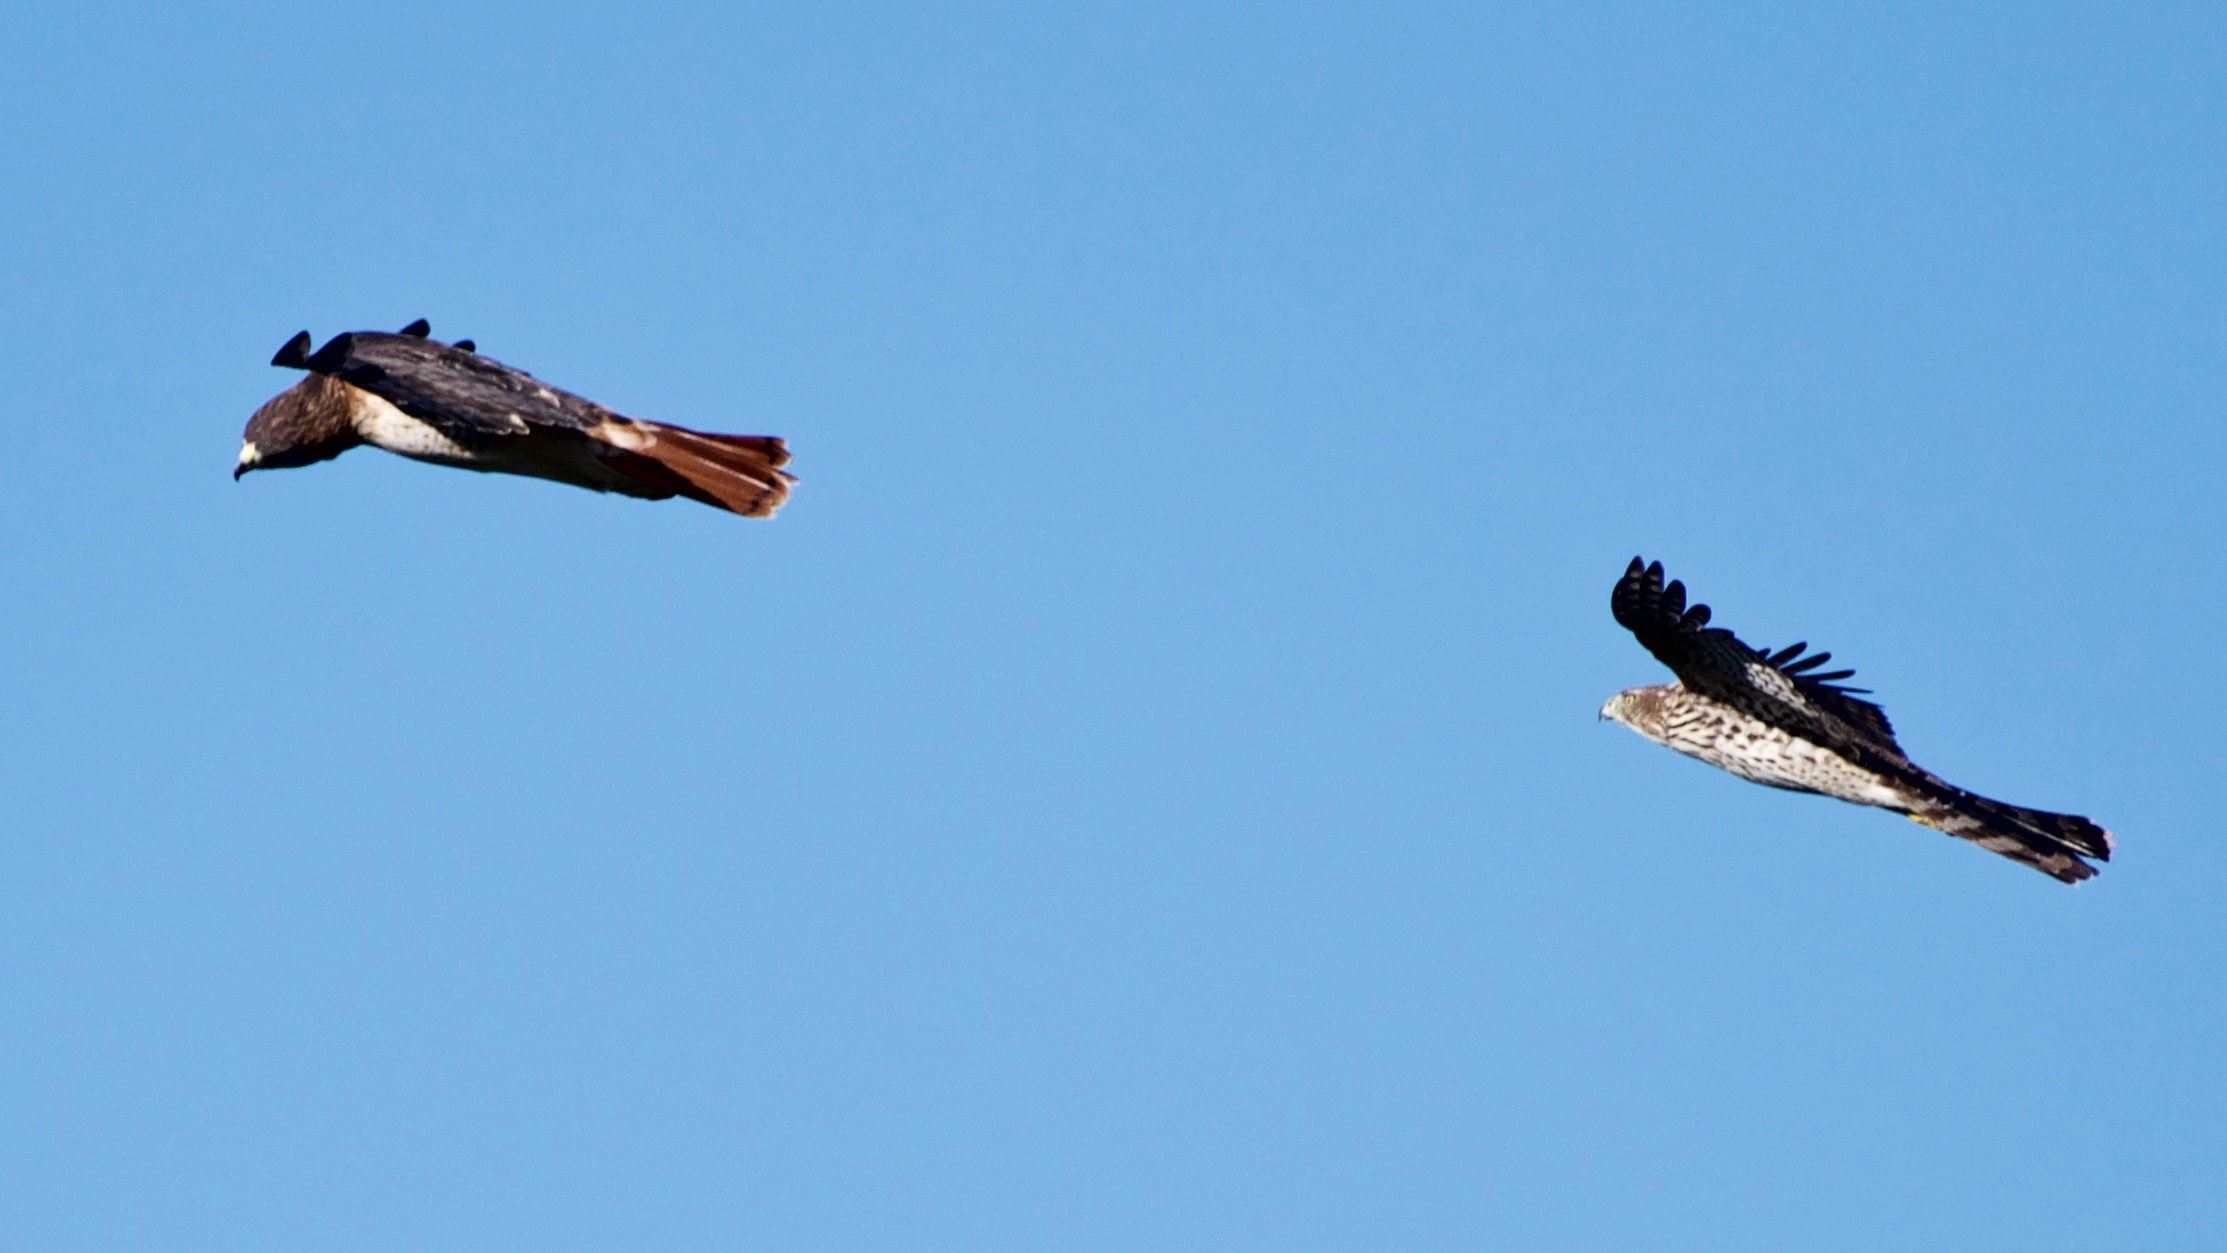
<point x="469" y="397"/>
<point x="1714" y="662"/>
<point x="295" y="354"/>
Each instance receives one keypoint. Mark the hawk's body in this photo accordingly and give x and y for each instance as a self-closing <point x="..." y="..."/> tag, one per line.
<point x="1769" y="719"/>
<point x="446" y="404"/>
<point x="1753" y="749"/>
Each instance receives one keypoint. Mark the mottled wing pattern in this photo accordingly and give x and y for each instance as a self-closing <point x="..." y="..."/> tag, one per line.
<point x="1779" y="688"/>
<point x="468" y="397"/>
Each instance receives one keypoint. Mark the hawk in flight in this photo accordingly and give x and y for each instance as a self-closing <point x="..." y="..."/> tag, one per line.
<point x="1772" y="719"/>
<point x="446" y="404"/>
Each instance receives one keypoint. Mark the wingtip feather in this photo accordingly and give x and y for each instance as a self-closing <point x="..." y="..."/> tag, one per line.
<point x="294" y="355"/>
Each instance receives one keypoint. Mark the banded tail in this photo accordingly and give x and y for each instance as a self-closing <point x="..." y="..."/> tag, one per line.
<point x="2051" y="843"/>
<point x="739" y="473"/>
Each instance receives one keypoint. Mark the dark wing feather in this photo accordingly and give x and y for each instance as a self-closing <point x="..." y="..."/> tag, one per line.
<point x="1717" y="664"/>
<point x="295" y="354"/>
<point x="469" y="397"/>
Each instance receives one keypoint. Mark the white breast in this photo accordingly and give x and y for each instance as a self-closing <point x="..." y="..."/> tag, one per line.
<point x="384" y="426"/>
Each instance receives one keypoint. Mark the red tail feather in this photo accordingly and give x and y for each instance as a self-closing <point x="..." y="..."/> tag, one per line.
<point x="738" y="473"/>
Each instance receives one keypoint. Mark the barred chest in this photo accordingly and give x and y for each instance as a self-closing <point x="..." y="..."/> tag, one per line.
<point x="1730" y="740"/>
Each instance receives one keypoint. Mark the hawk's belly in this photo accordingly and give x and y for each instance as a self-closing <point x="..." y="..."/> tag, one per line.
<point x="1762" y="753"/>
<point x="565" y="456"/>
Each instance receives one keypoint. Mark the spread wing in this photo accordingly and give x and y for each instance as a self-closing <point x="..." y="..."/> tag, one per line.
<point x="467" y="397"/>
<point x="1781" y="688"/>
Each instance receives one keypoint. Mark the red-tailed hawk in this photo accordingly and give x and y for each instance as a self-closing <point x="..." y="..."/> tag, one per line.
<point x="1771" y="719"/>
<point x="446" y="404"/>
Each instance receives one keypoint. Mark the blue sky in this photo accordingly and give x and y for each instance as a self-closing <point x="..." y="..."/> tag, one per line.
<point x="1144" y="792"/>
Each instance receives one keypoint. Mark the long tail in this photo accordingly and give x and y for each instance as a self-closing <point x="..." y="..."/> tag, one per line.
<point x="2051" y="843"/>
<point x="738" y="473"/>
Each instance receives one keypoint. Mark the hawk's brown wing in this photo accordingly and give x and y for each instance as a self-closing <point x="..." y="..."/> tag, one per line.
<point x="468" y="397"/>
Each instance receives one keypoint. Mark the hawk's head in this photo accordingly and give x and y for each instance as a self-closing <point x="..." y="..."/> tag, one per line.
<point x="1640" y="708"/>
<point x="308" y="422"/>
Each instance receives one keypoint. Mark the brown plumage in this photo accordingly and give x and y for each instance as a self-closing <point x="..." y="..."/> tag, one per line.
<point x="448" y="405"/>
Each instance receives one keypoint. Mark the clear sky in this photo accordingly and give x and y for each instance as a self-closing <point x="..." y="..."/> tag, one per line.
<point x="1145" y="790"/>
